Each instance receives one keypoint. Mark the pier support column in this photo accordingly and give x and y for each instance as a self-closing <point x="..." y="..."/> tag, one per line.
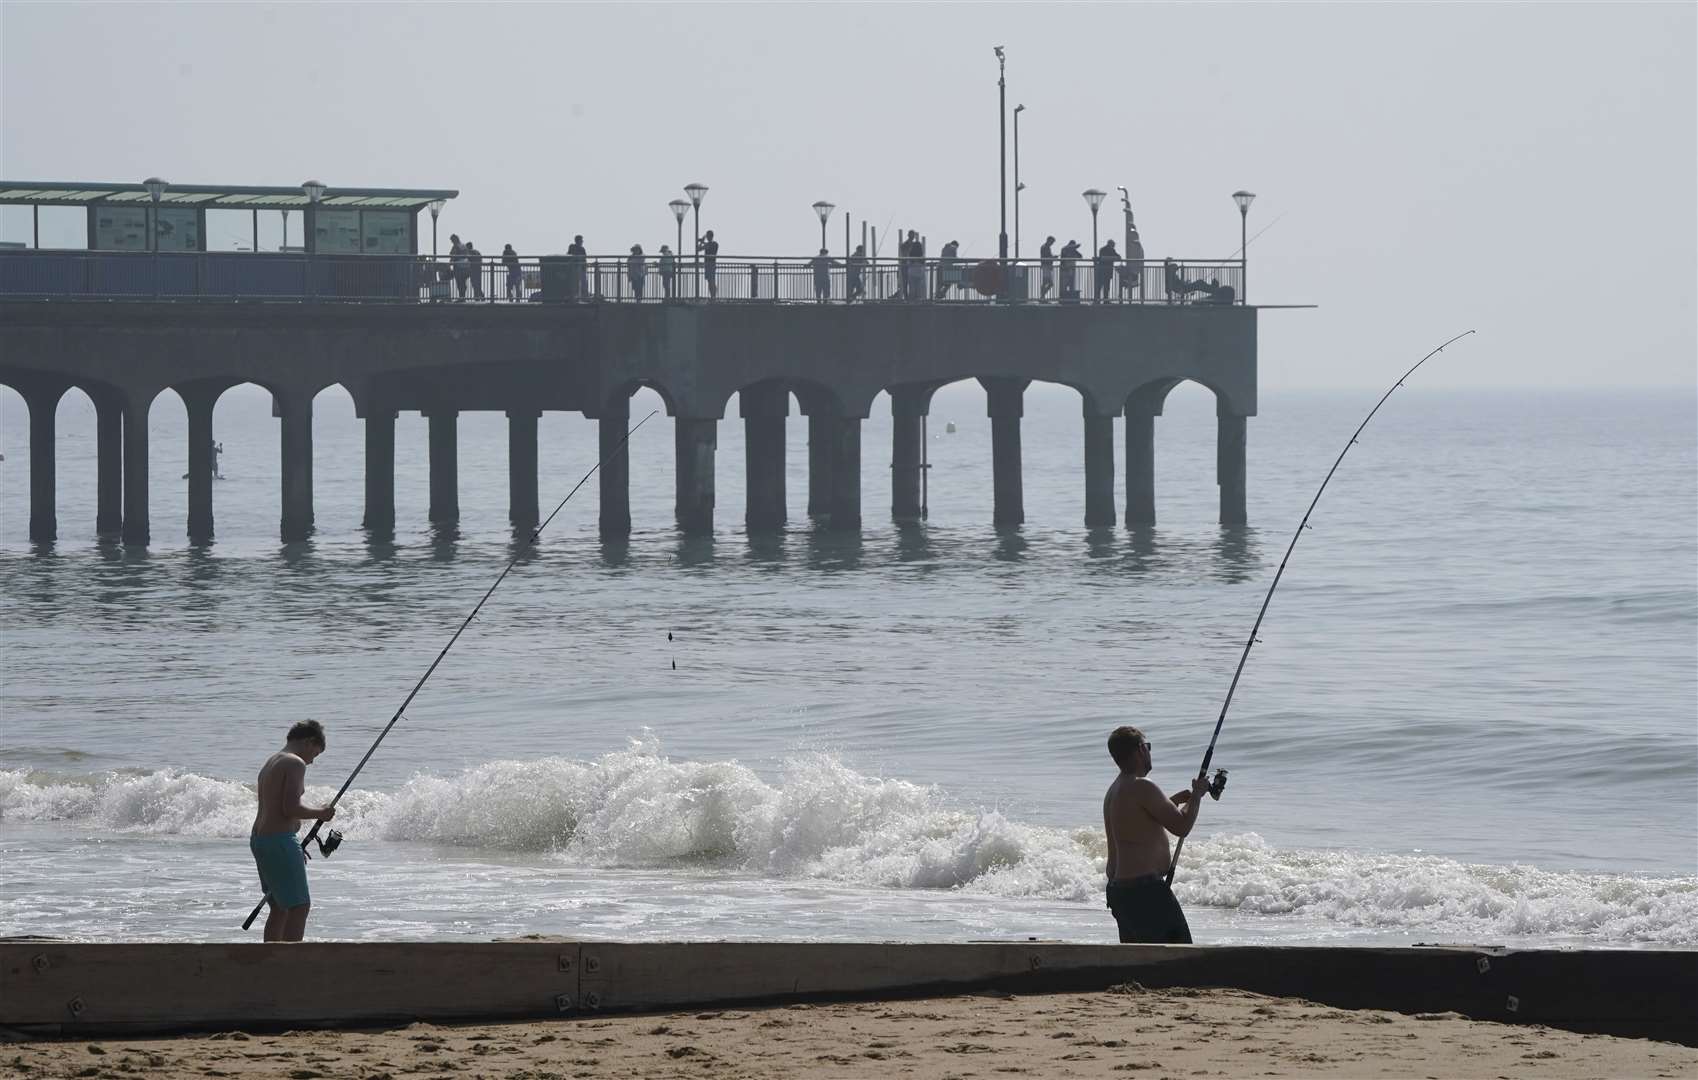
<point x="615" y="470"/>
<point x="1140" y="468"/>
<point x="43" y="464"/>
<point x="380" y="471"/>
<point x="845" y="474"/>
<point x="908" y="408"/>
<point x="1229" y="468"/>
<point x="764" y="408"/>
<point x="820" y="427"/>
<point x="522" y="510"/>
<point x="444" y="466"/>
<point x="136" y="405"/>
<point x="694" y="441"/>
<point x="1004" y="405"/>
<point x="199" y="400"/>
<point x="109" y="468"/>
<point x="1099" y="471"/>
<point x="295" y="412"/>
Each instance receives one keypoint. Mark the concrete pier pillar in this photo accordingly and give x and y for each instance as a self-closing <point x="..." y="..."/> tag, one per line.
<point x="845" y="510"/>
<point x="136" y="405"/>
<point x="1140" y="468"/>
<point x="1004" y="404"/>
<point x="695" y="441"/>
<point x="907" y="453"/>
<point x="444" y="466"/>
<point x="295" y="412"/>
<point x="43" y="463"/>
<point x="1229" y="468"/>
<point x="764" y="408"/>
<point x="199" y="401"/>
<point x="522" y="508"/>
<point x="1099" y="471"/>
<point x="380" y="471"/>
<point x="109" y="468"/>
<point x="820" y="428"/>
<point x="615" y="472"/>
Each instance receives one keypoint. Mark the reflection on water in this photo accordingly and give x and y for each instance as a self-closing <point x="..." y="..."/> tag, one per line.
<point x="1010" y="544"/>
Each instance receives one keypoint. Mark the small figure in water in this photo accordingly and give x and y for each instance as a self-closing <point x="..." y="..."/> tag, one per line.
<point x="1137" y="818"/>
<point x="217" y="452"/>
<point x="282" y="864"/>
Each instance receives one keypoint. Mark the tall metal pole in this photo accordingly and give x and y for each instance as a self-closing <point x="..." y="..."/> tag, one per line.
<point x="1244" y="253"/>
<point x="1093" y="232"/>
<point x="1018" y="109"/>
<point x="697" y="261"/>
<point x="1002" y="153"/>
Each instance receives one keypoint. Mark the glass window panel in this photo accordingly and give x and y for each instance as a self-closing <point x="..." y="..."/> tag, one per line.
<point x="179" y="229"/>
<point x="120" y="228"/>
<point x="386" y="233"/>
<point x="337" y="232"/>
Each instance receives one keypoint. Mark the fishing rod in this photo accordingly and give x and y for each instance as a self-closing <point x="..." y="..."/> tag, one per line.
<point x="1219" y="783"/>
<point x="334" y="839"/>
<point x="1240" y="252"/>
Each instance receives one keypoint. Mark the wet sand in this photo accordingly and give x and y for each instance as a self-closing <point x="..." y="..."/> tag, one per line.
<point x="1122" y="1032"/>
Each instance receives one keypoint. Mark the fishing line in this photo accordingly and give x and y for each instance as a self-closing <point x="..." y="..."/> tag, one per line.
<point x="1208" y="755"/>
<point x="331" y="842"/>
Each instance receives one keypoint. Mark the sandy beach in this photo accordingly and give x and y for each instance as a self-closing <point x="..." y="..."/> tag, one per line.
<point x="1126" y="1031"/>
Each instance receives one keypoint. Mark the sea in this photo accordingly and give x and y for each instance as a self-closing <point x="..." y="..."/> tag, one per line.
<point x="1471" y="716"/>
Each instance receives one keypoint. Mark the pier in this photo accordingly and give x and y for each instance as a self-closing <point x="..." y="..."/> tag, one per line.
<point x="581" y="335"/>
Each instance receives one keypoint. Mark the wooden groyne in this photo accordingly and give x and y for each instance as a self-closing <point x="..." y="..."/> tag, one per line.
<point x="72" y="989"/>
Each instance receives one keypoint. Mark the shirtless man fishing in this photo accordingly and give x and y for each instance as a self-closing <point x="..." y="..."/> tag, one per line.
<point x="1137" y="818"/>
<point x="277" y="852"/>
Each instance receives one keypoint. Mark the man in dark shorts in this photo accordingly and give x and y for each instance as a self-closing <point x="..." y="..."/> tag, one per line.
<point x="276" y="850"/>
<point x="1137" y="818"/>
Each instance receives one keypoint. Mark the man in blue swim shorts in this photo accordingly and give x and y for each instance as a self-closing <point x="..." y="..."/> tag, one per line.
<point x="277" y="852"/>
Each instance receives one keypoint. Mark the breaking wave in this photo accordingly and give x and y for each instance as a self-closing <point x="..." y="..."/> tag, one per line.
<point x="817" y="818"/>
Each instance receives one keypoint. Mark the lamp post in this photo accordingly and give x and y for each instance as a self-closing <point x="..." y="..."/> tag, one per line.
<point x="314" y="191"/>
<point x="285" y="245"/>
<point x="1002" y="154"/>
<point x="435" y="211"/>
<point x="1018" y="186"/>
<point x="1243" y="199"/>
<point x="823" y="209"/>
<point x="155" y="189"/>
<point x="696" y="192"/>
<point x="1094" y="199"/>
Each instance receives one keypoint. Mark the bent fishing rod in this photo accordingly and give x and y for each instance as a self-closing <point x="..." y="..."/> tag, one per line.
<point x="1219" y="782"/>
<point x="334" y="839"/>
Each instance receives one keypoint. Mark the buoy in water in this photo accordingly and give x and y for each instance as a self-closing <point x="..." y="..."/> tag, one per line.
<point x="949" y="428"/>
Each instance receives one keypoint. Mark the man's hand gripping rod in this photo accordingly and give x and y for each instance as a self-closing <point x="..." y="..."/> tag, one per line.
<point x="332" y="841"/>
<point x="1219" y="783"/>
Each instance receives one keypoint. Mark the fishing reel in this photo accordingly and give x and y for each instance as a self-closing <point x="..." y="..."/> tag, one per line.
<point x="1216" y="786"/>
<point x="330" y="841"/>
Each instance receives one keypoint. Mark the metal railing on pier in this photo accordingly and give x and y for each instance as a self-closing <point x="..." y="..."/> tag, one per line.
<point x="647" y="279"/>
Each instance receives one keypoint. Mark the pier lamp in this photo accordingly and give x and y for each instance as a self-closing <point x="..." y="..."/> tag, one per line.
<point x="679" y="208"/>
<point x="435" y="212"/>
<point x="697" y="192"/>
<point x="1018" y="186"/>
<point x="1094" y="199"/>
<point x="155" y="190"/>
<point x="1243" y="199"/>
<point x="823" y="209"/>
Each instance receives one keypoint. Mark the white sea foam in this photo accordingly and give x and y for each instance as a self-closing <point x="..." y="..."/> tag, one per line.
<point x="817" y="818"/>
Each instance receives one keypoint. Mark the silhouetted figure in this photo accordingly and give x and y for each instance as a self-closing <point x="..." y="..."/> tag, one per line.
<point x="708" y="247"/>
<point x="637" y="270"/>
<point x="475" y="258"/>
<point x="821" y="265"/>
<point x="1104" y="270"/>
<point x="1070" y="255"/>
<point x="912" y="252"/>
<point x="948" y="272"/>
<point x="857" y="274"/>
<point x="460" y="263"/>
<point x="217" y="452"/>
<point x="668" y="269"/>
<point x="1046" y="267"/>
<point x="515" y="277"/>
<point x="577" y="269"/>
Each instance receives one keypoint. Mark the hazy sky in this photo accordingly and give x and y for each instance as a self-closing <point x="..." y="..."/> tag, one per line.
<point x="1527" y="170"/>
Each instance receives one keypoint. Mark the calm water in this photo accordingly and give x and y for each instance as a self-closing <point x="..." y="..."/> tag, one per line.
<point x="1474" y="716"/>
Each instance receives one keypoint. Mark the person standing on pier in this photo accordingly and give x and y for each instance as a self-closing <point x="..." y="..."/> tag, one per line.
<point x="1069" y="257"/>
<point x="668" y="269"/>
<point x="708" y="247"/>
<point x="475" y="258"/>
<point x="947" y="269"/>
<point x="857" y="275"/>
<point x="577" y="269"/>
<point x="637" y="270"/>
<point x="821" y="265"/>
<point x="1046" y="266"/>
<point x="458" y="261"/>
<point x="515" y="277"/>
<point x="1137" y="817"/>
<point x="277" y="853"/>
<point x="1103" y="271"/>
